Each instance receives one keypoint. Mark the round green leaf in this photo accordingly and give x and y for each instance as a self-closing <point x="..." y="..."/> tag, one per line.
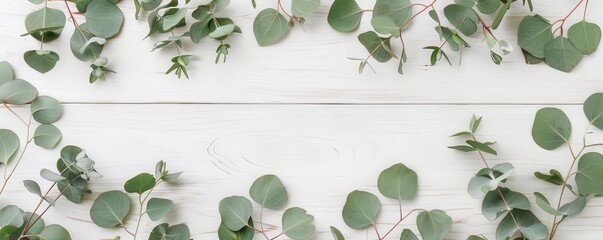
<point x="54" y="232"/>
<point x="269" y="192"/>
<point x="398" y="10"/>
<point x="172" y="20"/>
<point x="36" y="228"/>
<point x="297" y="224"/>
<point x="593" y="109"/>
<point x="222" y="31"/>
<point x="157" y="208"/>
<point x="361" y="209"/>
<point x="544" y="204"/>
<point x="561" y="54"/>
<point x="140" y="183"/>
<point x="32" y="187"/>
<point x="385" y="25"/>
<point x="304" y="8"/>
<point x="235" y="212"/>
<point x="79" y="40"/>
<point x="585" y="36"/>
<point x="6" y="72"/>
<point x="407" y="234"/>
<point x="434" y="224"/>
<point x="7" y="231"/>
<point x="47" y="136"/>
<point x="110" y="209"/>
<point x="244" y="234"/>
<point x="269" y="27"/>
<point x="10" y="144"/>
<point x="398" y="182"/>
<point x="575" y="207"/>
<point x="493" y="206"/>
<point x="487" y="6"/>
<point x="462" y="17"/>
<point x="17" y="92"/>
<point x="590" y="174"/>
<point x="380" y="48"/>
<point x="46" y="109"/>
<point x="523" y="221"/>
<point x="45" y="24"/>
<point x="533" y="33"/>
<point x="103" y="18"/>
<point x="551" y="128"/>
<point x="11" y="216"/>
<point x="345" y="15"/>
<point x="165" y="232"/>
<point x="41" y="61"/>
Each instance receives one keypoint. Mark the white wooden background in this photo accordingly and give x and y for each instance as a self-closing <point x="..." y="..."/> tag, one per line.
<point x="300" y="110"/>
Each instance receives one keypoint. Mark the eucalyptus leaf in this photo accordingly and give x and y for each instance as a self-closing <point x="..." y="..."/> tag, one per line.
<point x="46" y="109"/>
<point x="157" y="208"/>
<point x="269" y="27"/>
<point x="574" y="207"/>
<point x="235" y="211"/>
<point x="50" y="175"/>
<point x="593" y="109"/>
<point x="166" y="232"/>
<point x="336" y="234"/>
<point x="379" y="48"/>
<point x="398" y="10"/>
<point x="110" y="209"/>
<point x="32" y="187"/>
<point x="345" y="15"/>
<point x="140" y="183"/>
<point x="487" y="6"/>
<point x="585" y="36"/>
<point x="244" y="234"/>
<point x="269" y="192"/>
<point x="462" y="17"/>
<point x="297" y="224"/>
<point x="544" y="204"/>
<point x="434" y="224"/>
<point x="39" y="22"/>
<point x="361" y="209"/>
<point x="561" y="54"/>
<point x="385" y="25"/>
<point x="407" y="234"/>
<point x="551" y="128"/>
<point x="554" y="177"/>
<point x="10" y="144"/>
<point x="11" y="215"/>
<point x="589" y="176"/>
<point x="172" y="20"/>
<point x="41" y="61"/>
<point x="304" y="8"/>
<point x="493" y="205"/>
<point x="47" y="136"/>
<point x="522" y="221"/>
<point x="54" y="232"/>
<point x="79" y="40"/>
<point x="398" y="182"/>
<point x="533" y="33"/>
<point x="103" y="18"/>
<point x="17" y="92"/>
<point x="6" y="72"/>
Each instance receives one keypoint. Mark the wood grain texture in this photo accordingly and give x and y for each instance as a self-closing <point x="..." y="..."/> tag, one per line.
<point x="309" y="66"/>
<point x="320" y="152"/>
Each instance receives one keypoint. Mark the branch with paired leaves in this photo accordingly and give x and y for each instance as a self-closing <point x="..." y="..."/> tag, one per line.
<point x="103" y="18"/>
<point x="271" y="24"/>
<point x="169" y="18"/>
<point x="269" y="192"/>
<point x="560" y="49"/>
<point x="44" y="110"/>
<point x="110" y="209"/>
<point x="75" y="169"/>
<point x="399" y="183"/>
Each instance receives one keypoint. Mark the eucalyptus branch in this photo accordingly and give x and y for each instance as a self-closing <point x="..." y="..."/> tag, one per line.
<point x="562" y="21"/>
<point x="16" y="165"/>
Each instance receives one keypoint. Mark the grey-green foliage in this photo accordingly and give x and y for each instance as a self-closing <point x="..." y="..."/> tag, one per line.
<point x="268" y="192"/>
<point x="112" y="208"/>
<point x="561" y="50"/>
<point x="271" y="25"/>
<point x="398" y="182"/>
<point x="173" y="15"/>
<point x="103" y="20"/>
<point x="498" y="201"/>
<point x="17" y="224"/>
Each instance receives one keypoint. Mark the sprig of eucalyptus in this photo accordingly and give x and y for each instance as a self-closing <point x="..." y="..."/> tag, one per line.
<point x="74" y="168"/>
<point x="518" y="221"/>
<point x="44" y="110"/>
<point x="110" y="209"/>
<point x="271" y="24"/>
<point x="399" y="183"/>
<point x="269" y="192"/>
<point x="103" y="21"/>
<point x="168" y="18"/>
<point x="560" y="49"/>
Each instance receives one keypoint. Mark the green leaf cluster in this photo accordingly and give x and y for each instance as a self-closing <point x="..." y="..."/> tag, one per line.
<point x="110" y="209"/>
<point x="271" y="25"/>
<point x="268" y="192"/>
<point x="399" y="183"/>
<point x="16" y="224"/>
<point x="166" y="18"/>
<point x="104" y="20"/>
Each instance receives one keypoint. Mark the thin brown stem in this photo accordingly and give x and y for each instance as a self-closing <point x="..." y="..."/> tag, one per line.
<point x="281" y="8"/>
<point x="425" y="7"/>
<point x="563" y="20"/>
<point x="7" y="177"/>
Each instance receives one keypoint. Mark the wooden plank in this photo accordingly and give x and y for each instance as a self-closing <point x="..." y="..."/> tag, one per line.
<point x="309" y="66"/>
<point x="320" y="152"/>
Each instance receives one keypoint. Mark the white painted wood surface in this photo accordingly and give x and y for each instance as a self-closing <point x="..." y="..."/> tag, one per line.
<point x="299" y="110"/>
